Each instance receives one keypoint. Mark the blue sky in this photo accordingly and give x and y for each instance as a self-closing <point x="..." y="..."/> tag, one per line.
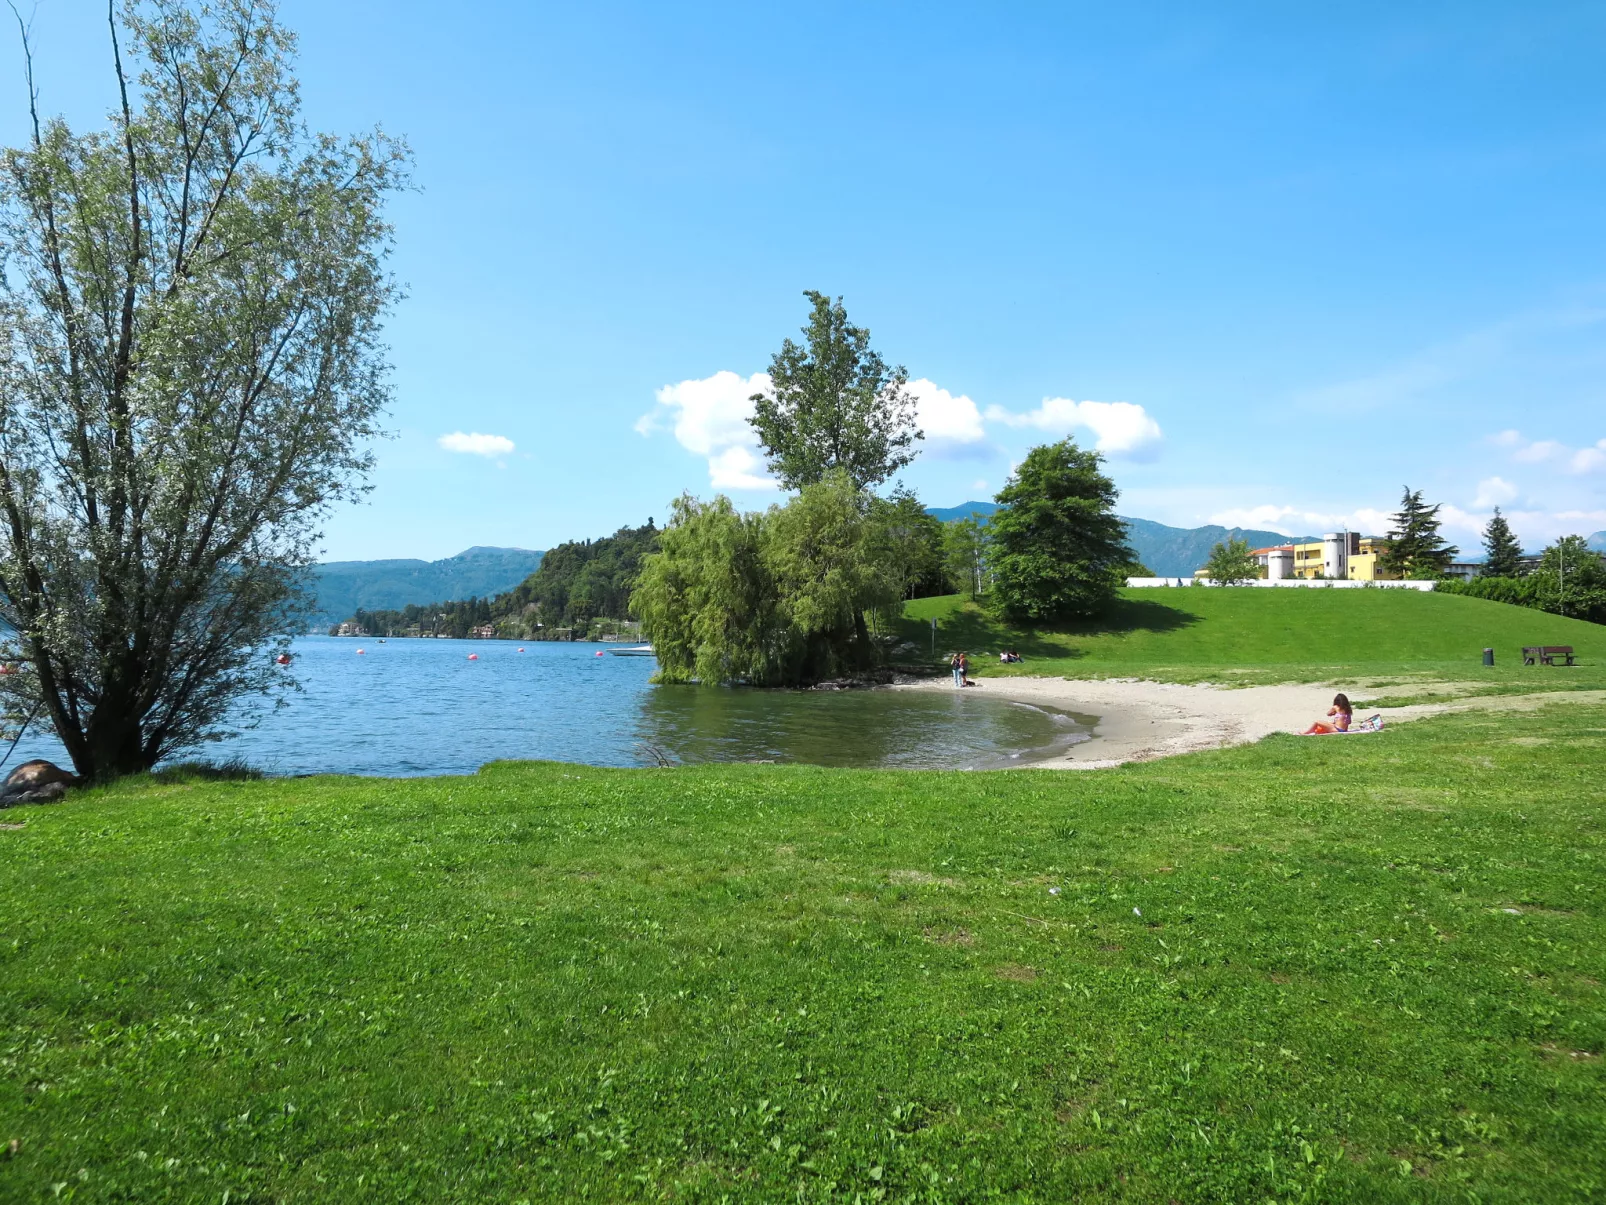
<point x="1278" y="262"/>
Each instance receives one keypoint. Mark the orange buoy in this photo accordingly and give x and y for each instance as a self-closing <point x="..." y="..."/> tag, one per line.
<point x="473" y="656"/>
<point x="360" y="652"/>
<point x="283" y="659"/>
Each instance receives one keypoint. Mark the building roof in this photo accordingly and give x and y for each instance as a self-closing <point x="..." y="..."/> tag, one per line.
<point x="1272" y="548"/>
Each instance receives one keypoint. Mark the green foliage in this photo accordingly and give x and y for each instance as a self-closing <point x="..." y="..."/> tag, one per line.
<point x="966" y="544"/>
<point x="1570" y="580"/>
<point x="834" y="405"/>
<point x="776" y="599"/>
<point x="1231" y="564"/>
<point x="191" y="373"/>
<point x="1503" y="552"/>
<point x="1280" y="972"/>
<point x="912" y="545"/>
<point x="1058" y="549"/>
<point x="1514" y="591"/>
<point x="1416" y="550"/>
<point x="826" y="552"/>
<point x="707" y="599"/>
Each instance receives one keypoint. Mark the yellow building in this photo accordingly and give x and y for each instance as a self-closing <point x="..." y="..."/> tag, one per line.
<point x="1358" y="555"/>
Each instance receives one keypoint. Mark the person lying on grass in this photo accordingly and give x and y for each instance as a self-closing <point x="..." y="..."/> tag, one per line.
<point x="1341" y="712"/>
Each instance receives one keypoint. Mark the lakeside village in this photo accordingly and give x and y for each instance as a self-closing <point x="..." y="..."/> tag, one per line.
<point x="439" y="627"/>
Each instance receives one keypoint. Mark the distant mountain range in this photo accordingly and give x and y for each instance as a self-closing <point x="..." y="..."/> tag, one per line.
<point x="1168" y="551"/>
<point x="1598" y="541"/>
<point x="341" y="587"/>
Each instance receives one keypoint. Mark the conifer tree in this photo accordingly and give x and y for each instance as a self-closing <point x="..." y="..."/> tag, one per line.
<point x="1059" y="549"/>
<point x="1416" y="550"/>
<point x="1504" y="553"/>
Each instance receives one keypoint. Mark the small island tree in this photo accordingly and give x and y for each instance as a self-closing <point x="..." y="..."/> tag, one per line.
<point x="1416" y="550"/>
<point x="1231" y="563"/>
<point x="771" y="599"/>
<point x="834" y="405"/>
<point x="1503" y="552"/>
<point x="1058" y="549"/>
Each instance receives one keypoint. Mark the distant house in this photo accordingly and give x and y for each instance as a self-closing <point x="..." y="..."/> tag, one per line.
<point x="484" y="632"/>
<point x="350" y="629"/>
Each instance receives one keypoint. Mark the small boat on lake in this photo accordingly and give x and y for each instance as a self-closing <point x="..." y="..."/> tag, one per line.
<point x="635" y="650"/>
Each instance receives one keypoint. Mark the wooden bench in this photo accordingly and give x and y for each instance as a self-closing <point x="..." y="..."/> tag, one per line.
<point x="1546" y="654"/>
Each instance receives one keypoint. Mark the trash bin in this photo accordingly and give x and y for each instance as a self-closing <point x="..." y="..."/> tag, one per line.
<point x="1488" y="656"/>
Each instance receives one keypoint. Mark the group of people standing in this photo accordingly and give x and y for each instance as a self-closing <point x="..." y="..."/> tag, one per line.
<point x="959" y="665"/>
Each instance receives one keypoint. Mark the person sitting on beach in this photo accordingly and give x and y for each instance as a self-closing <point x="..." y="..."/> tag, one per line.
<point x="1341" y="712"/>
<point x="1009" y="657"/>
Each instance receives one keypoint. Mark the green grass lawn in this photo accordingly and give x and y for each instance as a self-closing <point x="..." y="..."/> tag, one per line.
<point x="1358" y="969"/>
<point x="1252" y="636"/>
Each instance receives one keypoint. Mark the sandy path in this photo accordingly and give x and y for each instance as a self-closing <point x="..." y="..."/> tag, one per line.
<point x="1140" y="721"/>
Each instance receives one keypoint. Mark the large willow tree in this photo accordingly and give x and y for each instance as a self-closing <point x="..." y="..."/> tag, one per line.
<point x="771" y="599"/>
<point x="190" y="370"/>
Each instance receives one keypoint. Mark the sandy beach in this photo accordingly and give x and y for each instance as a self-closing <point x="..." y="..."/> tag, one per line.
<point x="1141" y="721"/>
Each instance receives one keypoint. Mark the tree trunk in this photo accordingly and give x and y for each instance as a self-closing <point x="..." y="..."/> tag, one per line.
<point x="113" y="742"/>
<point x="865" y="652"/>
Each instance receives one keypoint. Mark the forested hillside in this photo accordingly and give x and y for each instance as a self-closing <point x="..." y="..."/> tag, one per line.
<point x="578" y="585"/>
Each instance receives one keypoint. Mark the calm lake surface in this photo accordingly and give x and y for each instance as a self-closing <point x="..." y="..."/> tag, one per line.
<point x="408" y="707"/>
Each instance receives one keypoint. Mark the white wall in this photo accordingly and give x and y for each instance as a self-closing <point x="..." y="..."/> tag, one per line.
<point x="1303" y="583"/>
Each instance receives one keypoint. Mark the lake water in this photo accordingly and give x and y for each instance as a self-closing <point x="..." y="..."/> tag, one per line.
<point x="408" y="707"/>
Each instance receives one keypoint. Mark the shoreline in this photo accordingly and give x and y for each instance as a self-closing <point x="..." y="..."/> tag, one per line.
<point x="1140" y="720"/>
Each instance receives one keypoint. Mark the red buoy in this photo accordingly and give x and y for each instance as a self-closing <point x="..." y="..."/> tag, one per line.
<point x="283" y="659"/>
<point x="521" y="650"/>
<point x="473" y="656"/>
<point x="360" y="652"/>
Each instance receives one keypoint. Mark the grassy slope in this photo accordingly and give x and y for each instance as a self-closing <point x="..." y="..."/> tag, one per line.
<point x="1278" y="635"/>
<point x="1366" y="969"/>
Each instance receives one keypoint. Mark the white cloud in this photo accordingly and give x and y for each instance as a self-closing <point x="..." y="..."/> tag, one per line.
<point x="1122" y="428"/>
<point x="1492" y="491"/>
<point x="475" y="444"/>
<point x="948" y="422"/>
<point x="709" y="418"/>
<point x="1297" y="521"/>
<point x="1590" y="459"/>
<point x="1540" y="451"/>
